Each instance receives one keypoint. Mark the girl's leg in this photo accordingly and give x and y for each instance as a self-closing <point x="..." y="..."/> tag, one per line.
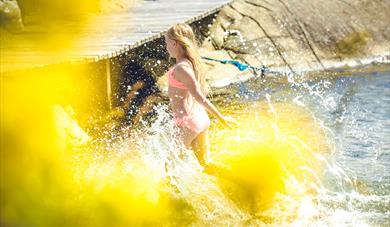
<point x="187" y="136"/>
<point x="200" y="145"/>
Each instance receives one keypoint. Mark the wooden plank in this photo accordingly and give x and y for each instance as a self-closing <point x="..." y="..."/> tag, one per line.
<point x="107" y="35"/>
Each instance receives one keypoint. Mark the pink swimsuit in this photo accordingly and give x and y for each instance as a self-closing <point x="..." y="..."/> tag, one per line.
<point x="197" y="119"/>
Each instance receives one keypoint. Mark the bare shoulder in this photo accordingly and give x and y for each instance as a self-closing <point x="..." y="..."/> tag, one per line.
<point x="183" y="70"/>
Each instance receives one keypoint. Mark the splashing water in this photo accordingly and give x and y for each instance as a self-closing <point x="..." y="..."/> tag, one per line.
<point x="308" y="153"/>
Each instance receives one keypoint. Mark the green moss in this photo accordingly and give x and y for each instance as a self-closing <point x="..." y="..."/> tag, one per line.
<point x="353" y="43"/>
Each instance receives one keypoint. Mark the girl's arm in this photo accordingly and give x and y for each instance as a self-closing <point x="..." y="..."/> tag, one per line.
<point x="186" y="75"/>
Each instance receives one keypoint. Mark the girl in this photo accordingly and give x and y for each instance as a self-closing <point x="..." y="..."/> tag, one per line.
<point x="187" y="91"/>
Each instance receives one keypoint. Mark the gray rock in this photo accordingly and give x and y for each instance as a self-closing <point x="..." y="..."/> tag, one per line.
<point x="303" y="35"/>
<point x="10" y="16"/>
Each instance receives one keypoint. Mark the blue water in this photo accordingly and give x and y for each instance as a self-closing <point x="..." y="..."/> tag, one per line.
<point x="355" y="112"/>
<point x="356" y="109"/>
<point x="360" y="122"/>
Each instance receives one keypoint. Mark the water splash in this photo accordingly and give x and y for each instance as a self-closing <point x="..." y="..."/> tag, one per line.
<point x="286" y="164"/>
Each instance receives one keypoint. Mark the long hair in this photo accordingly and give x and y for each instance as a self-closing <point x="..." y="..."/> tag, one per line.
<point x="184" y="36"/>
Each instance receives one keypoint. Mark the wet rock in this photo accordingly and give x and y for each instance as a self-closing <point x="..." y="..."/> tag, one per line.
<point x="10" y="16"/>
<point x="217" y="74"/>
<point x="225" y="18"/>
<point x="303" y="35"/>
<point x="353" y="43"/>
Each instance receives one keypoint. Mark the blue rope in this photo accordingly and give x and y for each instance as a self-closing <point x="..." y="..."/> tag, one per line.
<point x="241" y="66"/>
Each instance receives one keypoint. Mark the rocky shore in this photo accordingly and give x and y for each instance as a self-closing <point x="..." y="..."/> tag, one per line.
<point x="298" y="36"/>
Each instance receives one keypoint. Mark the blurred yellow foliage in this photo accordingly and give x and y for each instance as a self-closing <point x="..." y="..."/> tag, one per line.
<point x="269" y="148"/>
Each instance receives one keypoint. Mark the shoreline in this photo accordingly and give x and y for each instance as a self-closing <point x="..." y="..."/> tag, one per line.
<point x="353" y="66"/>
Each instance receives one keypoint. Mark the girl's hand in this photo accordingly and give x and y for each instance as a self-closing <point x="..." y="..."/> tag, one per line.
<point x="229" y="122"/>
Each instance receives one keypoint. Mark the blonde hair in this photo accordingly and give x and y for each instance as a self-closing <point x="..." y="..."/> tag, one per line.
<point x="184" y="36"/>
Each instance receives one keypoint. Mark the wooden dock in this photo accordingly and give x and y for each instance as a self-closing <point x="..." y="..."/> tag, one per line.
<point x="107" y="36"/>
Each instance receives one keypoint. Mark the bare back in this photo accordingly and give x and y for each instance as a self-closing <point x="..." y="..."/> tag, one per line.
<point x="181" y="100"/>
